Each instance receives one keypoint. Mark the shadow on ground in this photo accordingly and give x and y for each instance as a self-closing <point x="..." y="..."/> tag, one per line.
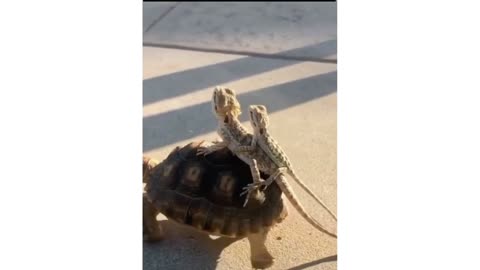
<point x="183" y="248"/>
<point x="183" y="82"/>
<point x="177" y="125"/>
<point x="313" y="263"/>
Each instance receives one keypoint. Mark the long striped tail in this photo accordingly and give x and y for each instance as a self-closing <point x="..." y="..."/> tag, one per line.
<point x="304" y="187"/>
<point x="287" y="189"/>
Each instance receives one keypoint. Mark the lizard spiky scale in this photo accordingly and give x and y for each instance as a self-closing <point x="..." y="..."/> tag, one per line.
<point x="270" y="160"/>
<point x="259" y="120"/>
<point x="281" y="158"/>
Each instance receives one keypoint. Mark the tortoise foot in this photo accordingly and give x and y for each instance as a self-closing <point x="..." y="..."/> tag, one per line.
<point x="152" y="231"/>
<point x="152" y="237"/>
<point x="261" y="258"/>
<point x="262" y="261"/>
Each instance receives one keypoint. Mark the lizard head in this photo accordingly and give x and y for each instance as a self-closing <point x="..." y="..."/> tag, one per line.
<point x="224" y="102"/>
<point x="259" y="118"/>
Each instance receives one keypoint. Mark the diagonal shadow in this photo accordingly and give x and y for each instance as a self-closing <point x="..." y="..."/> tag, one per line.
<point x="185" y="123"/>
<point x="183" y="248"/>
<point x="183" y="82"/>
<point x="316" y="262"/>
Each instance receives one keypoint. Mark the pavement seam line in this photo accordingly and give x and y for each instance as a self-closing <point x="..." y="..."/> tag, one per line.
<point x="246" y="53"/>
<point x="163" y="15"/>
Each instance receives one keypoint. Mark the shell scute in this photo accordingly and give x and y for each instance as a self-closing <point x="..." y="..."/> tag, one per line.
<point x="204" y="192"/>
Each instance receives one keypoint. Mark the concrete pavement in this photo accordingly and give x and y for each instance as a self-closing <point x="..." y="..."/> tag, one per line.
<point x="300" y="95"/>
<point x="270" y="27"/>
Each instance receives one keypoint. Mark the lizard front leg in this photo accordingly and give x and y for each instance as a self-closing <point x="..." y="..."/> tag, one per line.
<point x="247" y="148"/>
<point x="205" y="150"/>
<point x="281" y="170"/>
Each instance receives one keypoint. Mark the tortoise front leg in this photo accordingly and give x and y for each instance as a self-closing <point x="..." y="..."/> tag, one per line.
<point x="152" y="231"/>
<point x="260" y="257"/>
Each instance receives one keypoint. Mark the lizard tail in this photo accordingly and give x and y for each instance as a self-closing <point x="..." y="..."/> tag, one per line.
<point x="297" y="179"/>
<point x="285" y="187"/>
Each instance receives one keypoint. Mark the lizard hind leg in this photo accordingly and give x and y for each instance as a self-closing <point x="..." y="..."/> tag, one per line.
<point x="256" y="194"/>
<point x="274" y="176"/>
<point x="256" y="186"/>
<point x="255" y="171"/>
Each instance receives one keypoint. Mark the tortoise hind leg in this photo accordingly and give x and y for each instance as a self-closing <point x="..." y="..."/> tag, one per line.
<point x="152" y="231"/>
<point x="260" y="256"/>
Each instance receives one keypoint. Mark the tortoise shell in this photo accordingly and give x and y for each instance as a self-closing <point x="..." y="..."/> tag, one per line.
<point x="204" y="192"/>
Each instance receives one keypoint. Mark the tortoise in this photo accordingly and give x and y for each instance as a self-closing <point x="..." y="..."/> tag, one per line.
<point x="203" y="192"/>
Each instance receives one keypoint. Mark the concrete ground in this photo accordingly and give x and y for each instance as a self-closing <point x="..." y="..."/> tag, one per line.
<point x="282" y="55"/>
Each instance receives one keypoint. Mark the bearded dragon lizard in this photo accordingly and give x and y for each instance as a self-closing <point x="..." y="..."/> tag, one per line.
<point x="234" y="136"/>
<point x="226" y="108"/>
<point x="259" y="120"/>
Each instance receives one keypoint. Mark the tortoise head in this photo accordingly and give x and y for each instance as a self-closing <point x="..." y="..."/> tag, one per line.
<point x="259" y="118"/>
<point x="224" y="102"/>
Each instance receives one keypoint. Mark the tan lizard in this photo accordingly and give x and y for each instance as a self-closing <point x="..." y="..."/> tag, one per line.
<point x="262" y="139"/>
<point x="234" y="136"/>
<point x="226" y="109"/>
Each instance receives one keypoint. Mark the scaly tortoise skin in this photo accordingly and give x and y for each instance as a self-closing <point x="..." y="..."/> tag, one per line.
<point x="204" y="192"/>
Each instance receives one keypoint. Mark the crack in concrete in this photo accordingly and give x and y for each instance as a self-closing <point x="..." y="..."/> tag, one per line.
<point x="246" y="53"/>
<point x="163" y="15"/>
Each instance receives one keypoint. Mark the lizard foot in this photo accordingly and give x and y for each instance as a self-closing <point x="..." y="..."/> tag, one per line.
<point x="249" y="189"/>
<point x="207" y="148"/>
<point x="202" y="150"/>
